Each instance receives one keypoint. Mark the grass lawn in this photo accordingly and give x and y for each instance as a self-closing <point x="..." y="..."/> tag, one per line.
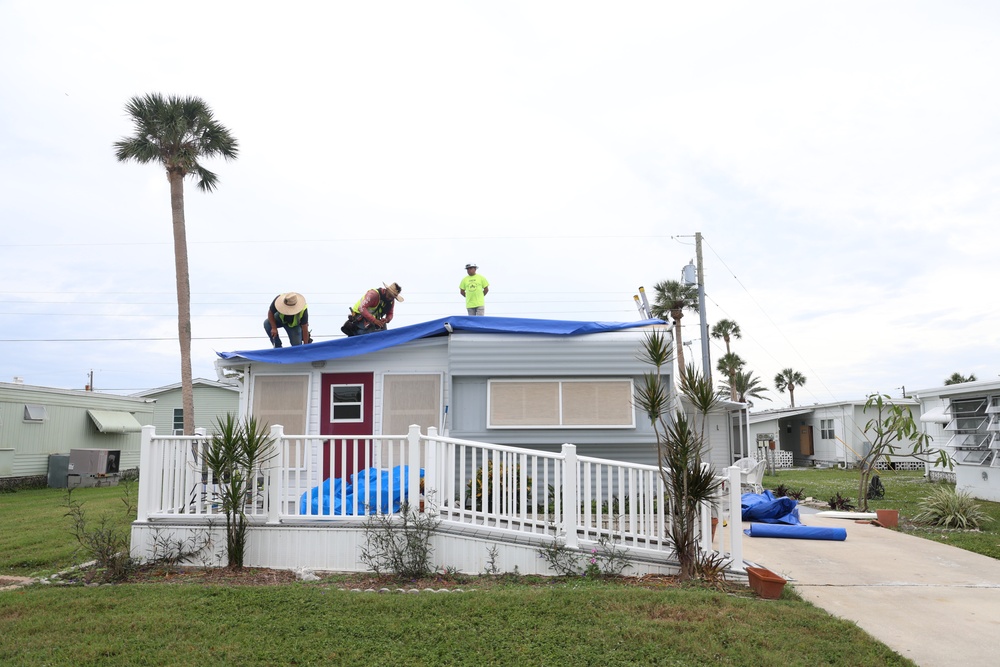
<point x="506" y="621"/>
<point x="903" y="491"/>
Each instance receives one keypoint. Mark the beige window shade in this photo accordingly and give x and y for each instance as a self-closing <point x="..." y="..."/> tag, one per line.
<point x="281" y="399"/>
<point x="597" y="403"/>
<point x="524" y="404"/>
<point x="410" y="399"/>
<point x="561" y="403"/>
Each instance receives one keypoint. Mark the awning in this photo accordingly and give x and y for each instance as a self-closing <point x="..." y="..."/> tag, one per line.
<point x="936" y="415"/>
<point x="111" y="421"/>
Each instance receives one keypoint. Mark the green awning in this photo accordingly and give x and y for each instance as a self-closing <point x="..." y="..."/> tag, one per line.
<point x="110" y="421"/>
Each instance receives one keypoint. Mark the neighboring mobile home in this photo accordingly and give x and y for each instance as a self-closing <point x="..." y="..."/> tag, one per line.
<point x="824" y="434"/>
<point x="38" y="421"/>
<point x="964" y="419"/>
<point x="212" y="401"/>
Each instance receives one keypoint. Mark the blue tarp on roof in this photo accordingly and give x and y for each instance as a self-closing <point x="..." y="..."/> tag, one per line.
<point x="340" y="348"/>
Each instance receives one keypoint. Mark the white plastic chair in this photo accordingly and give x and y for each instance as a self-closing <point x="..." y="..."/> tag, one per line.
<point x="753" y="480"/>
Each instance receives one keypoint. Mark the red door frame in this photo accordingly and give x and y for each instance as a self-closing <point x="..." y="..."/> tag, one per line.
<point x="333" y="459"/>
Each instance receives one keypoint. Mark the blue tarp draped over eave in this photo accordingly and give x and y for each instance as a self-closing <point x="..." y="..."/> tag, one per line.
<point x="357" y="345"/>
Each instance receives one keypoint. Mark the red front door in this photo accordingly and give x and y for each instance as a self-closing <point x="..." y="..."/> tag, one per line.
<point x="346" y="410"/>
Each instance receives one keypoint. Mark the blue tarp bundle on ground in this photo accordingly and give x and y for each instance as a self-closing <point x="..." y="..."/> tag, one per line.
<point x="799" y="532"/>
<point x="765" y="508"/>
<point x="339" y="348"/>
<point x="364" y="484"/>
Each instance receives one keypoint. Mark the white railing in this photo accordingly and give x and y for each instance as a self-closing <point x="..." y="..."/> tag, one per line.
<point x="487" y="486"/>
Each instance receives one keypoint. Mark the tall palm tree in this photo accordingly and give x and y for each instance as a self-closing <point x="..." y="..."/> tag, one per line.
<point x="789" y="379"/>
<point x="958" y="378"/>
<point x="729" y="364"/>
<point x="744" y="385"/>
<point x="176" y="132"/>
<point x="725" y="330"/>
<point x="672" y="299"/>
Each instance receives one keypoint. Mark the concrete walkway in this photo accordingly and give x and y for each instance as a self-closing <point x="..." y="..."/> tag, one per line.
<point x="937" y="605"/>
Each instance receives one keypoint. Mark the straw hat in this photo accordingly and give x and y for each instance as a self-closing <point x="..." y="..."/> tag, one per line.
<point x="394" y="290"/>
<point x="290" y="303"/>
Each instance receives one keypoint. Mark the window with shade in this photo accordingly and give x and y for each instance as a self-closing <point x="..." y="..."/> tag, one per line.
<point x="561" y="403"/>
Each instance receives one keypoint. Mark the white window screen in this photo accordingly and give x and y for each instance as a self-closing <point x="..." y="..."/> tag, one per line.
<point x="561" y="403"/>
<point x="410" y="399"/>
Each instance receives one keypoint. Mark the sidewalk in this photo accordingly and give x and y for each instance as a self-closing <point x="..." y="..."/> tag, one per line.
<point x="937" y="605"/>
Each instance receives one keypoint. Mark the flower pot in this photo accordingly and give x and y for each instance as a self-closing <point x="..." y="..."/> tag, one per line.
<point x="765" y="583"/>
<point x="715" y="524"/>
<point x="888" y="518"/>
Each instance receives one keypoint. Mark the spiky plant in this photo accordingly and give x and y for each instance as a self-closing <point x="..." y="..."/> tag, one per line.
<point x="948" y="508"/>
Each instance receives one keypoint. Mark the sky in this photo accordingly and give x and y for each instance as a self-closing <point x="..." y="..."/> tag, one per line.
<point x="840" y="160"/>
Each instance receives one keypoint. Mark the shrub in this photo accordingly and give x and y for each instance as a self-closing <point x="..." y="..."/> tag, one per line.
<point x="106" y="541"/>
<point x="509" y="490"/>
<point x="839" y="502"/>
<point x="782" y="491"/>
<point x="951" y="509"/>
<point x="400" y="544"/>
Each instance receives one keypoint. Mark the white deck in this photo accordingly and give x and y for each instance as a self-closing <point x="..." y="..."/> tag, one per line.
<point x="531" y="498"/>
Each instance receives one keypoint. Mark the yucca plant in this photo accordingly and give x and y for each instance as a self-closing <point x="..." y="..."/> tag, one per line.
<point x="948" y="508"/>
<point x="235" y="458"/>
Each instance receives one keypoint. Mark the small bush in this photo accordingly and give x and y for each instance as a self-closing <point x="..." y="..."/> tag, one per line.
<point x="106" y="541"/>
<point x="839" y="502"/>
<point x="400" y="544"/>
<point x="782" y="491"/>
<point x="604" y="560"/>
<point x="951" y="509"/>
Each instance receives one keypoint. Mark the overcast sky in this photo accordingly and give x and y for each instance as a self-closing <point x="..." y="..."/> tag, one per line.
<point x="840" y="159"/>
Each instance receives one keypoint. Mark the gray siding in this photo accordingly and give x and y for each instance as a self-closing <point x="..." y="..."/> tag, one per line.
<point x="67" y="426"/>
<point x="210" y="403"/>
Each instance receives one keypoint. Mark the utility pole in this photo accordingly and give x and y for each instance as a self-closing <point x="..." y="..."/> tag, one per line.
<point x="90" y="384"/>
<point x="706" y="361"/>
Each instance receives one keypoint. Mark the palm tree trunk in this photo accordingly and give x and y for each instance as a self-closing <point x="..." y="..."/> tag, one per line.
<point x="676" y="315"/>
<point x="183" y="297"/>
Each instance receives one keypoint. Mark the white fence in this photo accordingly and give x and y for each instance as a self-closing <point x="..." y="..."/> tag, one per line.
<point x="471" y="486"/>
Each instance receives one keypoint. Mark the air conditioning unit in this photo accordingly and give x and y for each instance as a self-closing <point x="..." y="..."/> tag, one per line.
<point x="93" y="467"/>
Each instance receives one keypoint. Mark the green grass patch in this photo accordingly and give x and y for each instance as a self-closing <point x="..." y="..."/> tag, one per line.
<point x="35" y="537"/>
<point x="314" y="624"/>
<point x="904" y="490"/>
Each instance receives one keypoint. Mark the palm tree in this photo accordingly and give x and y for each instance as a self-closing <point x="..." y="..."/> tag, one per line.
<point x="789" y="379"/>
<point x="729" y="364"/>
<point x="672" y="299"/>
<point x="725" y="330"/>
<point x="176" y="132"/>
<point x="744" y="385"/>
<point x="958" y="378"/>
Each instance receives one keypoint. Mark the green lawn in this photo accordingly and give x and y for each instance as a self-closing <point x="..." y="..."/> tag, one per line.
<point x="903" y="492"/>
<point x="561" y="621"/>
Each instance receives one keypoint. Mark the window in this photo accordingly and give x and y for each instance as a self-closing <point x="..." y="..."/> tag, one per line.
<point x="970" y="424"/>
<point x="178" y="421"/>
<point x="560" y="404"/>
<point x="410" y="399"/>
<point x="35" y="414"/>
<point x="281" y="399"/>
<point x="826" y="429"/>
<point x="346" y="402"/>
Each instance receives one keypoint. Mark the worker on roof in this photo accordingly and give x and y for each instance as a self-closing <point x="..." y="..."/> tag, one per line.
<point x="474" y="288"/>
<point x="373" y="311"/>
<point x="288" y="311"/>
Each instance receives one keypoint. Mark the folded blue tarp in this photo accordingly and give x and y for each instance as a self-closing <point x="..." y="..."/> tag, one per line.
<point x="359" y="483"/>
<point x="798" y="532"/>
<point x="765" y="508"/>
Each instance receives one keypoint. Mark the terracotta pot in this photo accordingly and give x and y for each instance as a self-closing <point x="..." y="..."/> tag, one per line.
<point x="765" y="583"/>
<point x="888" y="518"/>
<point x="715" y="524"/>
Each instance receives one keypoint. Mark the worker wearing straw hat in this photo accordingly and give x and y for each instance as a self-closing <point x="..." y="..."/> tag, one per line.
<point x="288" y="311"/>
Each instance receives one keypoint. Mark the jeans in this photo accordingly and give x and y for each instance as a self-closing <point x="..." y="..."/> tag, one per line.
<point x="294" y="334"/>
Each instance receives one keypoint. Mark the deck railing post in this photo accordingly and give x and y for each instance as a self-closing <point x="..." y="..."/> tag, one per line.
<point x="570" y="508"/>
<point x="735" y="519"/>
<point x="413" y="468"/>
<point x="274" y="473"/>
<point x="147" y="476"/>
<point x="431" y="477"/>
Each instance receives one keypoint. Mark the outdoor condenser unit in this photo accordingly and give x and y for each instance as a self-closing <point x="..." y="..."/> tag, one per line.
<point x="94" y="461"/>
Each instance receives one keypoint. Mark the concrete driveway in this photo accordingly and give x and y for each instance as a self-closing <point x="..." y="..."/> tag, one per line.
<point x="934" y="604"/>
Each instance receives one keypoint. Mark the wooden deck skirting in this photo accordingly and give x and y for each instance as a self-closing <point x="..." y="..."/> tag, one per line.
<point x="486" y="496"/>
